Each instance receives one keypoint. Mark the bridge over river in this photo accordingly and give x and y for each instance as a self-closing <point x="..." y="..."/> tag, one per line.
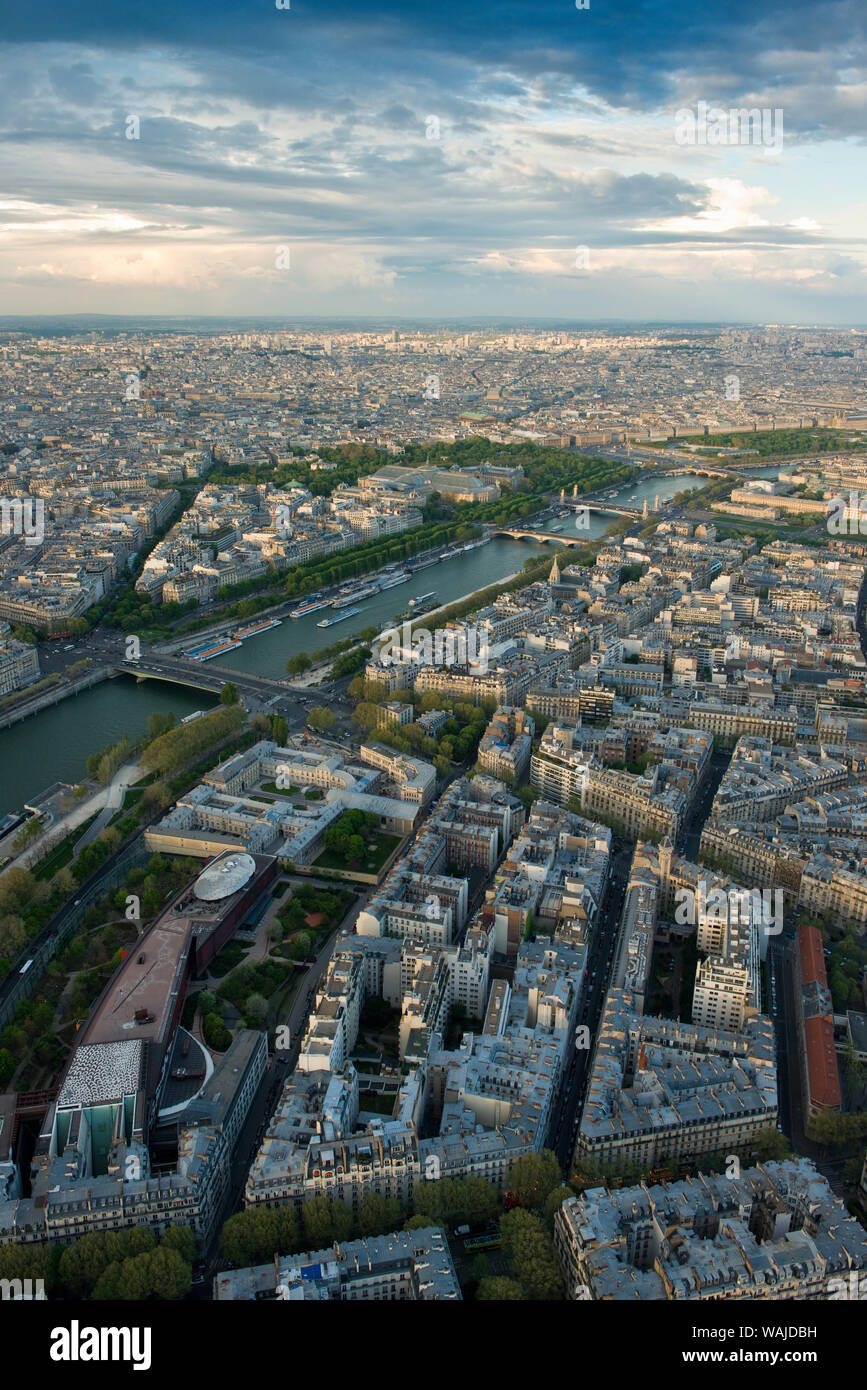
<point x="567" y="537"/>
<point x="255" y="691"/>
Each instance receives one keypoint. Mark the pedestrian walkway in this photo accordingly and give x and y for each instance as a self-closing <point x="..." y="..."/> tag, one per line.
<point x="107" y="801"/>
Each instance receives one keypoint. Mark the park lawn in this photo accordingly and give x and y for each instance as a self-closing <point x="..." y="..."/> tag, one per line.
<point x="231" y="955"/>
<point x="264" y="977"/>
<point x="378" y="850"/>
<point x="61" y="855"/>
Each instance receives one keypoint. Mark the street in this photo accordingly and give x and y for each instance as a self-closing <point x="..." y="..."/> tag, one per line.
<point x="599" y="961"/>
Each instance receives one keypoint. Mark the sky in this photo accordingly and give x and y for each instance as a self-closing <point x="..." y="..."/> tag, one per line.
<point x="429" y="160"/>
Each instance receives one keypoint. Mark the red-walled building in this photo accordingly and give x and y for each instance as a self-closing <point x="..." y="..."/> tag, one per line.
<point x="819" y="1073"/>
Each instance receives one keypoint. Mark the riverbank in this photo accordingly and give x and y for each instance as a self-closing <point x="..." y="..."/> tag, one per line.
<point x="314" y="676"/>
<point x="102" y="804"/>
<point x="54" y="696"/>
<point x="223" y="627"/>
<point x="55" y="747"/>
<point x="465" y="598"/>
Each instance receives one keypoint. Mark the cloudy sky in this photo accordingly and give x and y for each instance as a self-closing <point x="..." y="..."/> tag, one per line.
<point x="434" y="159"/>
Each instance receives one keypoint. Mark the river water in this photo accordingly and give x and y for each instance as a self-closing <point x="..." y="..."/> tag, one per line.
<point x="449" y="580"/>
<point x="267" y="655"/>
<point x="54" y="746"/>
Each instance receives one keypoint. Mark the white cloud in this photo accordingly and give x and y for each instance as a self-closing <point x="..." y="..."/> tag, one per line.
<point x="732" y="204"/>
<point x="205" y="267"/>
<point x="46" y="220"/>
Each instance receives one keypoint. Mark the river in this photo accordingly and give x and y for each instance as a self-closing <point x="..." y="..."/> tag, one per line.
<point x="449" y="580"/>
<point x="54" y="746"/>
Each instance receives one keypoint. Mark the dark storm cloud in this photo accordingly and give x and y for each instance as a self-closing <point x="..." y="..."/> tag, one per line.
<point x="635" y="54"/>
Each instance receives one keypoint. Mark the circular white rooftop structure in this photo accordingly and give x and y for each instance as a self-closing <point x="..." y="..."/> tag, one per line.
<point x="224" y="877"/>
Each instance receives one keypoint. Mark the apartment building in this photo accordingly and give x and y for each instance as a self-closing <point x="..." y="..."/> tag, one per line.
<point x="554" y="875"/>
<point x="660" y="1090"/>
<point x="332" y="1027"/>
<point x="503" y="687"/>
<point x="776" y="1231"/>
<point x="752" y="859"/>
<point x="483" y="1104"/>
<point x="763" y="778"/>
<point x="19" y="662"/>
<point x="393" y="712"/>
<point x="405" y="1266"/>
<point x="505" y="746"/>
<point x="643" y="806"/>
<point x="827" y="885"/>
<point x="721" y="995"/>
<point x="729" y="722"/>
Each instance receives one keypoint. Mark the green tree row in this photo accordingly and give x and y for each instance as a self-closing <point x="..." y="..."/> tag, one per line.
<point x="172" y="750"/>
<point x="132" y="1265"/>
